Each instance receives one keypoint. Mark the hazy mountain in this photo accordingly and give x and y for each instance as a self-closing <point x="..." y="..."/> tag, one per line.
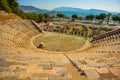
<point x="32" y="9"/>
<point x="70" y="11"/>
<point x="64" y="10"/>
<point x="37" y="10"/>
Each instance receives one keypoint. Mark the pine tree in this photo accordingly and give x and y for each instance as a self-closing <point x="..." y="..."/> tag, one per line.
<point x="4" y="5"/>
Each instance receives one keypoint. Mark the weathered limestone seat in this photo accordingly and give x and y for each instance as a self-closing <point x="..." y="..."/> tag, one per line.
<point x="19" y="60"/>
<point x="100" y="60"/>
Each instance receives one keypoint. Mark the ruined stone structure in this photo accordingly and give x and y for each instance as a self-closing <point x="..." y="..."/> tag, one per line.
<point x="101" y="57"/>
<point x="76" y="30"/>
<point x="65" y="29"/>
<point x="21" y="60"/>
<point x="107" y="42"/>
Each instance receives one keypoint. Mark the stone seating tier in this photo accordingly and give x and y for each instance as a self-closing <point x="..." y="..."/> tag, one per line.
<point x="20" y="61"/>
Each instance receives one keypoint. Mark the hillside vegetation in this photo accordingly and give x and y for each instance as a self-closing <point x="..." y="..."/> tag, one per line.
<point x="12" y="6"/>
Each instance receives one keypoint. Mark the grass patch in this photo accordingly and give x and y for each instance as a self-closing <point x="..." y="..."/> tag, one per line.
<point x="59" y="42"/>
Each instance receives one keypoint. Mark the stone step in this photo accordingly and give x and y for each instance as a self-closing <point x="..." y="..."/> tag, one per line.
<point x="92" y="74"/>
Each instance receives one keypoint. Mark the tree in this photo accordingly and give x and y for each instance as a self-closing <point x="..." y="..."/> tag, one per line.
<point x="90" y="17"/>
<point x="13" y="5"/>
<point x="46" y="15"/>
<point x="5" y="6"/>
<point x="116" y="18"/>
<point x="20" y="13"/>
<point x="41" y="18"/>
<point x="32" y="16"/>
<point x="75" y="16"/>
<point x="60" y="15"/>
<point x="101" y="17"/>
<point x="52" y="17"/>
<point x="97" y="17"/>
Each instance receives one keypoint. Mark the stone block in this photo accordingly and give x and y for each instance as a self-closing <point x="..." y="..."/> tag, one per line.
<point x="102" y="70"/>
<point x="84" y="67"/>
<point x="92" y="74"/>
<point x="49" y="72"/>
<point x="115" y="71"/>
<point x="60" y="69"/>
<point x="99" y="64"/>
<point x="39" y="78"/>
<point x="111" y="61"/>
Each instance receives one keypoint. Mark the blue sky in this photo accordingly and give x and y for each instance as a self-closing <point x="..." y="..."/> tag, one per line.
<point x="109" y="5"/>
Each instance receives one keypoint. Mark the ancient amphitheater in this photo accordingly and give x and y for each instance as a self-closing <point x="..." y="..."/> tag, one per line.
<point x="21" y="60"/>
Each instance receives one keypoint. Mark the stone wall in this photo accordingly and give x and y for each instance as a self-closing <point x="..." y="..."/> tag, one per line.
<point x="106" y="43"/>
<point x="85" y="30"/>
<point x="66" y="30"/>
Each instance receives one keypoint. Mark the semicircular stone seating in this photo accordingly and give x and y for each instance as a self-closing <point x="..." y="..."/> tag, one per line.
<point x="100" y="60"/>
<point x="19" y="60"/>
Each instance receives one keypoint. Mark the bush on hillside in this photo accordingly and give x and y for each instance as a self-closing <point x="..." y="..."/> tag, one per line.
<point x="5" y="6"/>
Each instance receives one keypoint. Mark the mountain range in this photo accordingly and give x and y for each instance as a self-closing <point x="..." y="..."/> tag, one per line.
<point x="64" y="10"/>
<point x="32" y="9"/>
<point x="70" y="11"/>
